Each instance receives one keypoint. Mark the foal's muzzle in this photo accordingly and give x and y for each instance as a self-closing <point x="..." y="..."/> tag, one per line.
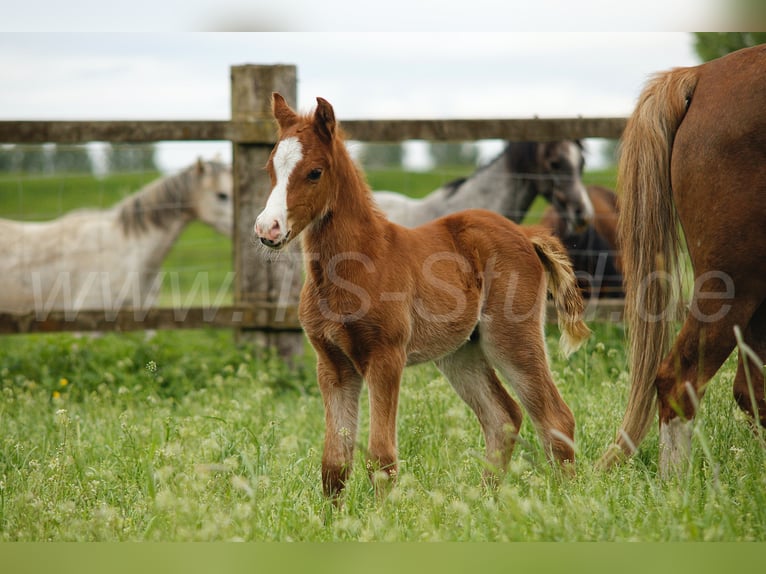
<point x="270" y="243"/>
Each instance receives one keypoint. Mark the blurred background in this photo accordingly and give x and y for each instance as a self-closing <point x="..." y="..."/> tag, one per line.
<point x="106" y="70"/>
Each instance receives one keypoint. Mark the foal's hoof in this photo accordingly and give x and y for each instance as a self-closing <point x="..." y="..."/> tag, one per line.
<point x="382" y="479"/>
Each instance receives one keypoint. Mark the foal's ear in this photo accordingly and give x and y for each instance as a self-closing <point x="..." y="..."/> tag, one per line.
<point x="324" y="119"/>
<point x="282" y="113"/>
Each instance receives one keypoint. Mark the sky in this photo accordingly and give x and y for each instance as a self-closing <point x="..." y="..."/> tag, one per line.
<point x="391" y="15"/>
<point x="177" y="75"/>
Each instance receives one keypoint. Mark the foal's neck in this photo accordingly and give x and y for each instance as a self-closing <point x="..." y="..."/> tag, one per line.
<point x="351" y="223"/>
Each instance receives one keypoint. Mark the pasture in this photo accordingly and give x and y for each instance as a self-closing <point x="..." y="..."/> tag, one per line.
<point x="186" y="436"/>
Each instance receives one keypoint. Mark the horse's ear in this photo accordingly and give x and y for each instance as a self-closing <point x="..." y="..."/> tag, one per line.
<point x="282" y="113"/>
<point x="200" y="167"/>
<point x="324" y="119"/>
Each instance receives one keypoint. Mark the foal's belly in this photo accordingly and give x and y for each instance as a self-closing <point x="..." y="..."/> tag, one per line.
<point x="434" y="336"/>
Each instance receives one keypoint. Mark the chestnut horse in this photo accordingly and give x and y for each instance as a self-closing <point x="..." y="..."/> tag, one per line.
<point x="694" y="152"/>
<point x="467" y="291"/>
<point x="593" y="250"/>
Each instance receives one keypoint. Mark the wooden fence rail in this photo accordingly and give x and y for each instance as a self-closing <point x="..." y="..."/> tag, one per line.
<point x="263" y="131"/>
<point x="252" y="133"/>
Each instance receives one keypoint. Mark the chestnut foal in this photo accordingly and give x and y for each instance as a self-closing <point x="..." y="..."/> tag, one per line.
<point x="467" y="291"/>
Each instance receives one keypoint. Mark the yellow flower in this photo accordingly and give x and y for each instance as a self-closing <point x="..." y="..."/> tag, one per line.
<point x="63" y="382"/>
<point x="56" y="395"/>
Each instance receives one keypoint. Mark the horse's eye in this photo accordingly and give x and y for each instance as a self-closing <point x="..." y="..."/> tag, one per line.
<point x="557" y="164"/>
<point x="222" y="196"/>
<point x="315" y="174"/>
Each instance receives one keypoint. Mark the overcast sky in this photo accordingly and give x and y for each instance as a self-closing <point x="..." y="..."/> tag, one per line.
<point x="391" y="15"/>
<point x="364" y="75"/>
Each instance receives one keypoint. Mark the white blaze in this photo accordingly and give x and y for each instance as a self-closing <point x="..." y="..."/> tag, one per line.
<point x="288" y="154"/>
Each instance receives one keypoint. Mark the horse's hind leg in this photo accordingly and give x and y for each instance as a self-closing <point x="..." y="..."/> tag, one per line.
<point x="475" y="381"/>
<point x="518" y="351"/>
<point x="705" y="341"/>
<point x="749" y="382"/>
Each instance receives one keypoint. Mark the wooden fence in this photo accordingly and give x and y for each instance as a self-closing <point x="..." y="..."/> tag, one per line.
<point x="265" y="293"/>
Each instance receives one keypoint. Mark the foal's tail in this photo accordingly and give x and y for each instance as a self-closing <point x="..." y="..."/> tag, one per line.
<point x="649" y="239"/>
<point x="563" y="286"/>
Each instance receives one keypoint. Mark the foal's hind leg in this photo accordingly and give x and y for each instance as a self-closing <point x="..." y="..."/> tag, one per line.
<point x="750" y="396"/>
<point x="518" y="351"/>
<point x="474" y="380"/>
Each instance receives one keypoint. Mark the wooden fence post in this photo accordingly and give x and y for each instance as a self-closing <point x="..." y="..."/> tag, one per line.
<point x="266" y="283"/>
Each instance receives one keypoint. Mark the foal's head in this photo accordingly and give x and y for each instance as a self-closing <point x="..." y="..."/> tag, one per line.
<point x="300" y="167"/>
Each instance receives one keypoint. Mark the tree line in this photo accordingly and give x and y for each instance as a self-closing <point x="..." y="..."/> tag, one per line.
<point x="54" y="158"/>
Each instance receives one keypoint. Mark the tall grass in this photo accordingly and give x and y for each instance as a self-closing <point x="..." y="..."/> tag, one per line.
<point x="186" y="437"/>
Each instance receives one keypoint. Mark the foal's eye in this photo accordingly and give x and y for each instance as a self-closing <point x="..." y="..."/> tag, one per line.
<point x="315" y="174"/>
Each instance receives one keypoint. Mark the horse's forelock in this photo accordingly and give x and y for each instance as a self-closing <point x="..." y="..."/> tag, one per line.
<point x="522" y="157"/>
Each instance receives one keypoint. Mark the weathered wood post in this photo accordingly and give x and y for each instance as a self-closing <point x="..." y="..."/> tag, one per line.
<point x="268" y="283"/>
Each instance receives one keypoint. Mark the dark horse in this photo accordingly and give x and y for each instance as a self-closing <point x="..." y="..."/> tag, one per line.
<point x="694" y="152"/>
<point x="593" y="249"/>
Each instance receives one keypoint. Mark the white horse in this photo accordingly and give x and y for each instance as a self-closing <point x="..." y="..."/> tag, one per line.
<point x="507" y="185"/>
<point x="110" y="258"/>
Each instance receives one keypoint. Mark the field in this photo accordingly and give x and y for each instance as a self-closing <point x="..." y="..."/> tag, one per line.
<point x="186" y="436"/>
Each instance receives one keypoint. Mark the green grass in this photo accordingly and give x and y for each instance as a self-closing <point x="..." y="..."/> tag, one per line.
<point x="185" y="436"/>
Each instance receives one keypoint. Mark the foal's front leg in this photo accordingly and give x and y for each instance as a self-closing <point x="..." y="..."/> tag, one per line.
<point x="383" y="379"/>
<point x="340" y="385"/>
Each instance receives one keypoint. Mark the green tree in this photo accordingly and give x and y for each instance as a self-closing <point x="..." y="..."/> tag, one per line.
<point x="381" y="155"/>
<point x="454" y="153"/>
<point x="33" y="158"/>
<point x="71" y="159"/>
<point x="712" y="45"/>
<point x="7" y="157"/>
<point x="46" y="158"/>
<point x="122" y="157"/>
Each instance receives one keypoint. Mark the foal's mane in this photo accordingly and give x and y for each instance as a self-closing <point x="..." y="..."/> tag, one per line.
<point x="161" y="201"/>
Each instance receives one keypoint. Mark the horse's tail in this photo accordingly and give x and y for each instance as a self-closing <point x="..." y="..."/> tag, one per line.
<point x="563" y="286"/>
<point x="650" y="242"/>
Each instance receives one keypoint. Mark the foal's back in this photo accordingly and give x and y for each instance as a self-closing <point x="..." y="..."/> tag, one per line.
<point x="460" y="269"/>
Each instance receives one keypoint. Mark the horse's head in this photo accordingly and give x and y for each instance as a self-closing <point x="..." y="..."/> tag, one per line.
<point x="560" y="166"/>
<point x="300" y="167"/>
<point x="213" y="195"/>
